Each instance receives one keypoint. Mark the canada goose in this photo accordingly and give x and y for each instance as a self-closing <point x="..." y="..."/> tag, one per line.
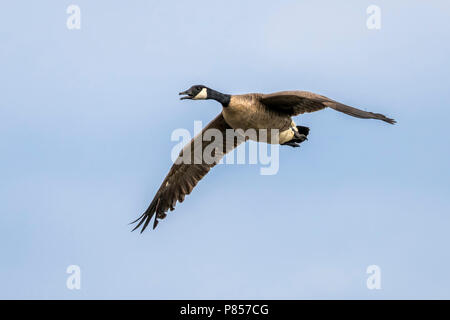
<point x="245" y="111"/>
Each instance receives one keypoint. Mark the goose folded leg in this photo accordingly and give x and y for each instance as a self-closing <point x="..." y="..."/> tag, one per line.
<point x="299" y="135"/>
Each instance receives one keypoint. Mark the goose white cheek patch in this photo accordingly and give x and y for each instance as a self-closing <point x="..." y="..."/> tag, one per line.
<point x="201" y="95"/>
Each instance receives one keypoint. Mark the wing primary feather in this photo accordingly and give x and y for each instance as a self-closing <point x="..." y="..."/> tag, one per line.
<point x="155" y="223"/>
<point x="137" y="219"/>
<point x="358" y="113"/>
<point x="150" y="215"/>
<point x="140" y="222"/>
<point x="147" y="220"/>
<point x="144" y="216"/>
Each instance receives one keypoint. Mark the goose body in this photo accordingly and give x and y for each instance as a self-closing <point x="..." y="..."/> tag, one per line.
<point x="247" y="112"/>
<point x="271" y="113"/>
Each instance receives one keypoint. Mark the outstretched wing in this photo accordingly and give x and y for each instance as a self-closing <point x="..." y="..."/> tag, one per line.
<point x="297" y="102"/>
<point x="189" y="168"/>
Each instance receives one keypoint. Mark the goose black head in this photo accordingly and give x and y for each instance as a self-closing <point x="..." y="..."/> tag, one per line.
<point x="197" y="92"/>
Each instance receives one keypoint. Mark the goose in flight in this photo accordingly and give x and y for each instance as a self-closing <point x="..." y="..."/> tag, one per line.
<point x="246" y="111"/>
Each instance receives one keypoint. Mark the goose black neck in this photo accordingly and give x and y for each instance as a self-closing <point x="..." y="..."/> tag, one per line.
<point x="224" y="99"/>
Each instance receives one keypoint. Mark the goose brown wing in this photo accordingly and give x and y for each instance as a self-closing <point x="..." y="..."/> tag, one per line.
<point x="189" y="168"/>
<point x="294" y="103"/>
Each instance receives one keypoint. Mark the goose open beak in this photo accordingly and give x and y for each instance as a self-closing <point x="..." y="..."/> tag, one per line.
<point x="187" y="93"/>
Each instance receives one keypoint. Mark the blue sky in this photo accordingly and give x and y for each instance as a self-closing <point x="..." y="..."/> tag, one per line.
<point x="86" y="117"/>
